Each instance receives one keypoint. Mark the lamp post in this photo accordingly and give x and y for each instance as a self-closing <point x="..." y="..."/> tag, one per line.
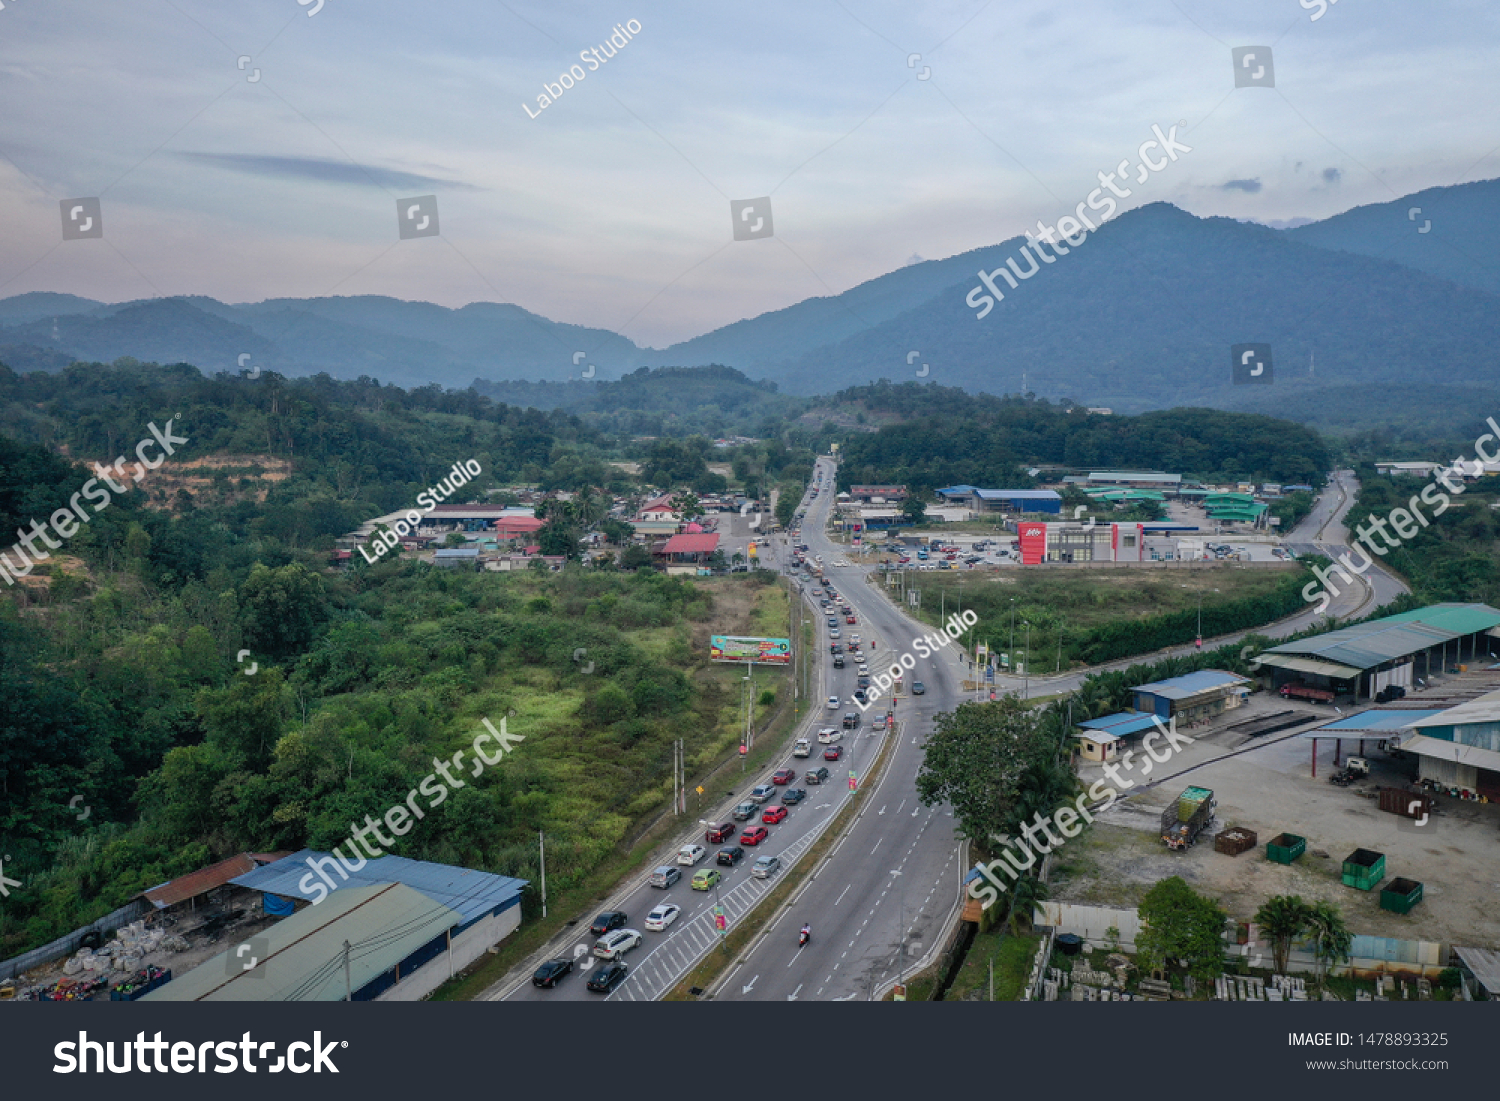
<point x="1013" y="630"/>
<point x="1060" y="624"/>
<point x="1026" y="689"/>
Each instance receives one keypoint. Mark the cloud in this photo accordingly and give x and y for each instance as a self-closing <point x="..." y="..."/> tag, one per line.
<point x="323" y="170"/>
<point x="1332" y="175"/>
<point x="1249" y="187"/>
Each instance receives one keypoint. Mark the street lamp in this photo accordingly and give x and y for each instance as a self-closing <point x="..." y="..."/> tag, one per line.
<point x="1026" y="692"/>
<point x="1012" y="625"/>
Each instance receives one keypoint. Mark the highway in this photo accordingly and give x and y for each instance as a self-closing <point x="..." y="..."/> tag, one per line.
<point x="880" y="903"/>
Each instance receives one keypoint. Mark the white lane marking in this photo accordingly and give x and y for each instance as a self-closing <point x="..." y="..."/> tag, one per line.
<point x="877" y="845"/>
<point x="842" y="893"/>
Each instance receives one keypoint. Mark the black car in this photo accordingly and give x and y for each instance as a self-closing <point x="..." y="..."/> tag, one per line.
<point x="1390" y="692"/>
<point x="838" y="661"/>
<point x="918" y="688"/>
<point x="859" y="695"/>
<point x="851" y="720"/>
<point x="817" y="775"/>
<point x="730" y="856"/>
<point x="606" y="978"/>
<point x="607" y="922"/>
<point x="793" y="796"/>
<point x="550" y="972"/>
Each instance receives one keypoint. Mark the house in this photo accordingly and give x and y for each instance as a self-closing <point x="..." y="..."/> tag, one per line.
<point x="1192" y="697"/>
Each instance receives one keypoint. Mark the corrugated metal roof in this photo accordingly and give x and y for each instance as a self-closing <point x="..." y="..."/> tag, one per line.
<point x="304" y="954"/>
<point x="1461" y="754"/>
<point x="1133" y="476"/>
<point x="1190" y="684"/>
<point x="1481" y="709"/>
<point x="457" y="552"/>
<point x="470" y="892"/>
<point x="1365" y="645"/>
<point x="1122" y="723"/>
<point x="1017" y="495"/>
<point x="1365" y="722"/>
<point x="196" y="883"/>
<point x="691" y="544"/>
<point x="1308" y="665"/>
<point x="1485" y="965"/>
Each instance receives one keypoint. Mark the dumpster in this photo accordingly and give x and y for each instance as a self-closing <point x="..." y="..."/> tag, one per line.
<point x="1363" y="868"/>
<point x="1400" y="895"/>
<point x="1405" y="803"/>
<point x="1285" y="848"/>
<point x="1234" y="841"/>
<point x="1069" y="944"/>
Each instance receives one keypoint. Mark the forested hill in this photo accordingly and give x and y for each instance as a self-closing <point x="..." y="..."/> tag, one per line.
<point x="951" y="438"/>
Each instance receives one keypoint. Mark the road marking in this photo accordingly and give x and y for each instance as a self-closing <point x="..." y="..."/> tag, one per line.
<point x="903" y="804"/>
<point x="842" y="893"/>
<point x="747" y="989"/>
<point x="877" y="845"/>
<point x="792" y="997"/>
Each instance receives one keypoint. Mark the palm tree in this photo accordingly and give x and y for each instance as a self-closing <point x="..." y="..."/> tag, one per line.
<point x="1027" y="892"/>
<point x="1330" y="936"/>
<point x="1283" y="918"/>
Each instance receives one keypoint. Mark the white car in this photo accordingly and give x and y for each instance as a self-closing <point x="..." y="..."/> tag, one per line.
<point x="612" y="946"/>
<point x="833" y="703"/>
<point x="830" y="734"/>
<point x="658" y="919"/>
<point x="690" y="854"/>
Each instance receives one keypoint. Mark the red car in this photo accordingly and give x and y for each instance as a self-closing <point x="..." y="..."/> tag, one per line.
<point x="833" y="753"/>
<point x="720" y="834"/>
<point x="754" y="835"/>
<point x="772" y="815"/>
<point x="784" y="776"/>
<point x="849" y="619"/>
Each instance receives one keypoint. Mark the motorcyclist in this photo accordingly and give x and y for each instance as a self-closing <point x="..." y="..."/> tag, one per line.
<point x="806" y="934"/>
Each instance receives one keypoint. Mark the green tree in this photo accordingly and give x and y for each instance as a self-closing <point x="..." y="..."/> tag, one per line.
<point x="1180" y="925"/>
<point x="687" y="506"/>
<point x="786" y="504"/>
<point x="977" y="758"/>
<point x="913" y="510"/>
<point x="282" y="608"/>
<point x="617" y="532"/>
<point x="1331" y="938"/>
<point x="455" y="539"/>
<point x="635" y="557"/>
<point x="1282" y="920"/>
<point x="558" y="537"/>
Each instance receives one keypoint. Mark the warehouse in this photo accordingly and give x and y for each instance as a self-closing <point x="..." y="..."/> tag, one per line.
<point x="1460" y="747"/>
<point x="410" y="924"/>
<point x="1396" y="650"/>
<point x="1193" y="697"/>
<point x="1002" y="500"/>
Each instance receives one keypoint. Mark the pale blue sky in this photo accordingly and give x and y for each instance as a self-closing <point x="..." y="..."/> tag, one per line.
<point x="612" y="207"/>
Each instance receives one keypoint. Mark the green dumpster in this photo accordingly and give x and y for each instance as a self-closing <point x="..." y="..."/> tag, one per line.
<point x="1363" y="868"/>
<point x="1400" y="895"/>
<point x="1285" y="848"/>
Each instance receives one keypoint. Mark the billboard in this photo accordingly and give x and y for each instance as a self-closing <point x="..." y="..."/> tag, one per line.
<point x="754" y="651"/>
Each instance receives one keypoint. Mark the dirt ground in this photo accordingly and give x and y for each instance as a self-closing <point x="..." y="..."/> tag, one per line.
<point x="1267" y="786"/>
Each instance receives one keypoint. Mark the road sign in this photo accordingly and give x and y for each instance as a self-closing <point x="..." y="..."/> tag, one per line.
<point x="899" y="994"/>
<point x="742" y="751"/>
<point x="853" y="781"/>
<point x="700" y="789"/>
<point x="721" y="919"/>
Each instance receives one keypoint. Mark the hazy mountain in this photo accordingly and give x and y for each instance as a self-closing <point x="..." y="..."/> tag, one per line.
<point x="1461" y="241"/>
<point x="42" y="304"/>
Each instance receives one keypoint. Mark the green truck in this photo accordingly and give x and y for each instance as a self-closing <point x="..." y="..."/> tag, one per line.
<point x="1186" y="817"/>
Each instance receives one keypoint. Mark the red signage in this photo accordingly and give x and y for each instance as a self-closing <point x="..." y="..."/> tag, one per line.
<point x="1033" y="543"/>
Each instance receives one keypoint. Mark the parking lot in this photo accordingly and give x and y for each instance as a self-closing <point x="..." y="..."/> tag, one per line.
<point x="1265" y="784"/>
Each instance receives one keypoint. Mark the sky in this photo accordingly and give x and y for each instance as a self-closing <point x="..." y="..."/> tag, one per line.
<point x="253" y="149"/>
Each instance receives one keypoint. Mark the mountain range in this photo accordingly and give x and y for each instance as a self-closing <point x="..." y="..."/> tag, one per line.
<point x="1142" y="314"/>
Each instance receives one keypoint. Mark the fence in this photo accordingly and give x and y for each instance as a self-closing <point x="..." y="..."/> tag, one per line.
<point x="66" y="946"/>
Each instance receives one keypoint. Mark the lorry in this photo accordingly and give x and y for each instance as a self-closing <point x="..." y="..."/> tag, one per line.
<point x="1186" y="817"/>
<point x="1306" y="692"/>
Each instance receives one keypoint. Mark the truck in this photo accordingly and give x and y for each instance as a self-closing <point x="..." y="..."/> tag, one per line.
<point x="1186" y="817"/>
<point x="1306" y="692"/>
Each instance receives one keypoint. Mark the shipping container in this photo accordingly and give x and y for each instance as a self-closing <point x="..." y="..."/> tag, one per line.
<point x="1400" y="895"/>
<point x="1285" y="848"/>
<point x="1363" y="869"/>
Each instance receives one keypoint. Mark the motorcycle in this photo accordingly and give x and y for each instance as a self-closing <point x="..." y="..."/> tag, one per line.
<point x="803" y="937"/>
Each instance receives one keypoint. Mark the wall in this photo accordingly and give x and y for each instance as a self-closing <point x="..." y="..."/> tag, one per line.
<point x="66" y="946"/>
<point x="467" y="947"/>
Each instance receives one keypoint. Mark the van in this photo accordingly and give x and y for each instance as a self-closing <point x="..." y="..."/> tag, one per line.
<point x="803" y="748"/>
<point x="664" y="877"/>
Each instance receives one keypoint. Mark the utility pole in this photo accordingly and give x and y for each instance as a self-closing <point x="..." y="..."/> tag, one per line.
<point x="1060" y="623"/>
<point x="541" y="840"/>
<point x="1026" y="694"/>
<point x="348" y="988"/>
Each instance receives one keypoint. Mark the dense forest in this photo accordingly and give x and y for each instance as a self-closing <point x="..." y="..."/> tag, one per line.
<point x="119" y="673"/>
<point x="949" y="437"/>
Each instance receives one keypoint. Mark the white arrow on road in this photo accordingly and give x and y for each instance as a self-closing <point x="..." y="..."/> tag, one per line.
<point x="882" y="810"/>
<point x="792" y="997"/>
<point x="845" y="998"/>
<point x="747" y="989"/>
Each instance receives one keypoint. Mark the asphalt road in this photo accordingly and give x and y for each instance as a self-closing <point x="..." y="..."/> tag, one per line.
<point x="898" y="868"/>
<point x="882" y="900"/>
